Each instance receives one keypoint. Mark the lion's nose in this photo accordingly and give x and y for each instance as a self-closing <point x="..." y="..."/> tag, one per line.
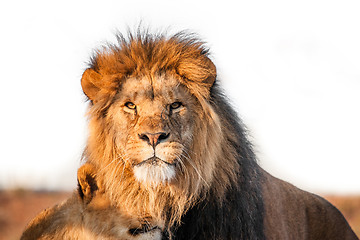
<point x="154" y="138"/>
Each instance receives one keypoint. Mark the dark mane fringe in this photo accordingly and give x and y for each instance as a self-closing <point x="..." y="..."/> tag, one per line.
<point x="240" y="215"/>
<point x="149" y="49"/>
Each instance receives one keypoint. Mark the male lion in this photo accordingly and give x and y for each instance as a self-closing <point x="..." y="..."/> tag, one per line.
<point x="167" y="144"/>
<point x="88" y="214"/>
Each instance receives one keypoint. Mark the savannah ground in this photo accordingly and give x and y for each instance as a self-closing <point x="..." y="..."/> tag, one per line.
<point x="18" y="207"/>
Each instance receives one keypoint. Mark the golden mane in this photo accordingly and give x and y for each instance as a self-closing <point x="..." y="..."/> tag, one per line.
<point x="181" y="56"/>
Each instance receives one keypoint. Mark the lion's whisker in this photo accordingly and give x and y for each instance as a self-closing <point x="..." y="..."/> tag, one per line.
<point x="122" y="174"/>
<point x="196" y="170"/>
<point x="182" y="166"/>
<point x="119" y="157"/>
<point x="107" y="165"/>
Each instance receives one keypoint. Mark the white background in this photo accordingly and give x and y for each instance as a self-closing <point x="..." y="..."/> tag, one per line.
<point x="291" y="69"/>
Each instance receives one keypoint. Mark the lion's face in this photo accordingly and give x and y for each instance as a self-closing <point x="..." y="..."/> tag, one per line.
<point x="153" y="120"/>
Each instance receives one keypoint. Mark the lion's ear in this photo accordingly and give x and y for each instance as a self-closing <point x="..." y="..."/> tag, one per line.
<point x="210" y="71"/>
<point x="200" y="74"/>
<point x="91" y="83"/>
<point x="201" y="70"/>
<point x="87" y="183"/>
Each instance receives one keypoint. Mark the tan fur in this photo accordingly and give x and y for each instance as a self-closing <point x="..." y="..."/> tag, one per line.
<point x="88" y="215"/>
<point x="153" y="72"/>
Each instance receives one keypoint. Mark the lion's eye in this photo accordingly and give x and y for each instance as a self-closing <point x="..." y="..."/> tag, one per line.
<point x="130" y="105"/>
<point x="175" y="105"/>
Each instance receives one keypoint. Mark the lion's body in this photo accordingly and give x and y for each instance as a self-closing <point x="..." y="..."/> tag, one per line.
<point x="288" y="213"/>
<point x="291" y="213"/>
<point x="86" y="215"/>
<point x="63" y="221"/>
<point x="167" y="144"/>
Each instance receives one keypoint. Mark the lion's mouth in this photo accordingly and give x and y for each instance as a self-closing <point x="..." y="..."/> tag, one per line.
<point x="155" y="161"/>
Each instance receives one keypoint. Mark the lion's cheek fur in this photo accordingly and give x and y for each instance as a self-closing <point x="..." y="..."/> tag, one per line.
<point x="209" y="150"/>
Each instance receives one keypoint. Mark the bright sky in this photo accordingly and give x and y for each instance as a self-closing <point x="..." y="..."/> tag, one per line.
<point x="291" y="69"/>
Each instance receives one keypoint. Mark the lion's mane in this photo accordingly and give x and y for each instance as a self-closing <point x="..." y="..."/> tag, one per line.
<point x="225" y="168"/>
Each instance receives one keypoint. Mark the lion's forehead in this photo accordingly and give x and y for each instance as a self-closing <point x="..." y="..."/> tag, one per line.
<point x="163" y="87"/>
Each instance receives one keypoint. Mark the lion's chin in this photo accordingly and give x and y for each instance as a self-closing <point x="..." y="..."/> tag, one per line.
<point x="154" y="171"/>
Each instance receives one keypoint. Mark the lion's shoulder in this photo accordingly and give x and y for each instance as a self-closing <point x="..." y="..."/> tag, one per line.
<point x="55" y="220"/>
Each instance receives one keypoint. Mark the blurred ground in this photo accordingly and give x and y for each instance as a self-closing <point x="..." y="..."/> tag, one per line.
<point x="18" y="207"/>
<point x="350" y="208"/>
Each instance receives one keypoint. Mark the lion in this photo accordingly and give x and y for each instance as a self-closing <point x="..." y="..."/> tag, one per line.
<point x="167" y="144"/>
<point x="88" y="214"/>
